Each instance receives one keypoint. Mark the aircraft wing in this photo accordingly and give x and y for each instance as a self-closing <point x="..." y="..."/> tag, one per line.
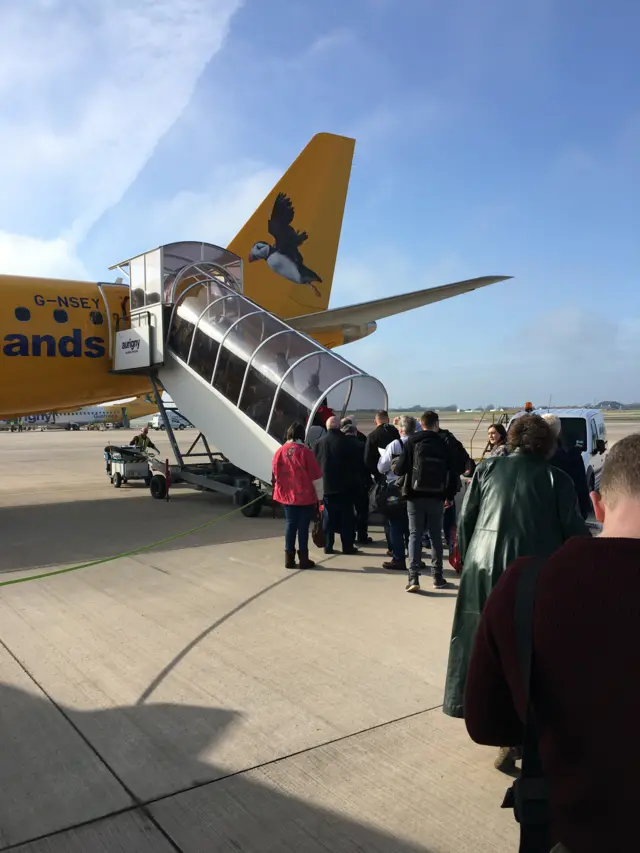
<point x="377" y="309"/>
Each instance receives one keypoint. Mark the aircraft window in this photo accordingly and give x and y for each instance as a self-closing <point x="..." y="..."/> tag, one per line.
<point x="574" y="432"/>
<point x="22" y="314"/>
<point x="96" y="318"/>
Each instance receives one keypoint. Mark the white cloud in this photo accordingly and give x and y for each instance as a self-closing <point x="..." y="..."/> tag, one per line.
<point x="358" y="280"/>
<point x="569" y="352"/>
<point x="22" y="255"/>
<point x="217" y="213"/>
<point x="417" y="114"/>
<point x="87" y="90"/>
<point x="330" y="41"/>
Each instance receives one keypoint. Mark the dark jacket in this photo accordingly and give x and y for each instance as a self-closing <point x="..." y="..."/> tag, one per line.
<point x="338" y="455"/>
<point x="361" y="476"/>
<point x="461" y="462"/>
<point x="586" y="697"/>
<point x="377" y="440"/>
<point x="516" y="506"/>
<point x="570" y="461"/>
<point x="439" y="448"/>
<point x="142" y="442"/>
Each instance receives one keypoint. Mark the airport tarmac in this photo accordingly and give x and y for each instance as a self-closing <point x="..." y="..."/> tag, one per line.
<point x="200" y="697"/>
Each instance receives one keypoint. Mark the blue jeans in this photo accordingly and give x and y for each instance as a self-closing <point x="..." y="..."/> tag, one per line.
<point x="297" y="521"/>
<point x="387" y="532"/>
<point x="399" y="531"/>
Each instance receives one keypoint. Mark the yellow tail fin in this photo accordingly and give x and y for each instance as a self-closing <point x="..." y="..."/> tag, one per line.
<point x="284" y="271"/>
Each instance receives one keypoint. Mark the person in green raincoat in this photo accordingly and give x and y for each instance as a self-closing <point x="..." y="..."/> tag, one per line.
<point x="516" y="506"/>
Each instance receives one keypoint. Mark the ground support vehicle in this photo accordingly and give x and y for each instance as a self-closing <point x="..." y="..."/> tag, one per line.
<point x="125" y="463"/>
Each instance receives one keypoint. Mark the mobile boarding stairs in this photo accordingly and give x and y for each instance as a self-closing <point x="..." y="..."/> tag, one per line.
<point x="240" y="374"/>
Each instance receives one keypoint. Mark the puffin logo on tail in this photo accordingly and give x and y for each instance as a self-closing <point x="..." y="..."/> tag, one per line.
<point x="284" y="256"/>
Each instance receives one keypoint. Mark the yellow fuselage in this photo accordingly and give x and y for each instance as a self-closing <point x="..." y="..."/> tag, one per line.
<point x="56" y="345"/>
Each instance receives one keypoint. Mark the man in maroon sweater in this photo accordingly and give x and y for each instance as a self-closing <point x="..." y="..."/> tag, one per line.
<point x="586" y="673"/>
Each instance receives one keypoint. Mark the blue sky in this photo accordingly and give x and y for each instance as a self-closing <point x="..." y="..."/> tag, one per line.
<point x="492" y="137"/>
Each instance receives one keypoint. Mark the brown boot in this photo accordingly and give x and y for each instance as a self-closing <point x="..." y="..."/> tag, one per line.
<point x="506" y="760"/>
<point x="305" y="562"/>
<point x="290" y="560"/>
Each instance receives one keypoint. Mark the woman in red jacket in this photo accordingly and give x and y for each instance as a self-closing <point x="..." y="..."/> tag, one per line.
<point x="297" y="485"/>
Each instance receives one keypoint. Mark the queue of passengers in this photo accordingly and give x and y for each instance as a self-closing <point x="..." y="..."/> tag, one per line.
<point x="415" y="469"/>
<point x="424" y="463"/>
<point x="523" y="541"/>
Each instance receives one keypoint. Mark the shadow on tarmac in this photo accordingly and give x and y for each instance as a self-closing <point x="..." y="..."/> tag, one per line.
<point x="45" y="535"/>
<point x="63" y="768"/>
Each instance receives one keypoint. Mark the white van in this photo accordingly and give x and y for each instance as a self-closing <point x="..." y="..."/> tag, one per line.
<point x="176" y="420"/>
<point x="584" y="429"/>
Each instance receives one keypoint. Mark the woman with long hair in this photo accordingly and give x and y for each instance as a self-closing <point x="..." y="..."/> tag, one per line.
<point x="297" y="485"/>
<point x="497" y="435"/>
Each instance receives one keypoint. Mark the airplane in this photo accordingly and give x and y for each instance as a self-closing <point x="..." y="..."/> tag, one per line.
<point x="240" y="338"/>
<point x="124" y="411"/>
<point x="65" y="420"/>
<point x="119" y="412"/>
<point x="57" y="335"/>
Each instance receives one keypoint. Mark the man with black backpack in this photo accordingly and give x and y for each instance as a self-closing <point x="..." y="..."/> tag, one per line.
<point x="429" y="467"/>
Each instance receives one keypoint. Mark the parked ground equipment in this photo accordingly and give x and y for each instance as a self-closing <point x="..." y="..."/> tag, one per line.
<point x="125" y="463"/>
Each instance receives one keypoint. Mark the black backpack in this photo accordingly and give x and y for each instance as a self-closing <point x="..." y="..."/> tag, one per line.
<point x="430" y="472"/>
<point x="387" y="499"/>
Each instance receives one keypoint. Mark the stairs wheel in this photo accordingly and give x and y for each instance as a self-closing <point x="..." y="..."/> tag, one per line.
<point x="254" y="509"/>
<point x="158" y="487"/>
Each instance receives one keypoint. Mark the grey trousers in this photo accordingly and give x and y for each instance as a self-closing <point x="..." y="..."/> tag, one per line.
<point x="425" y="512"/>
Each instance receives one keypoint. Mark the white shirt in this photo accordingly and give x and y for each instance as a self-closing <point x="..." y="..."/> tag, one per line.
<point x="391" y="450"/>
